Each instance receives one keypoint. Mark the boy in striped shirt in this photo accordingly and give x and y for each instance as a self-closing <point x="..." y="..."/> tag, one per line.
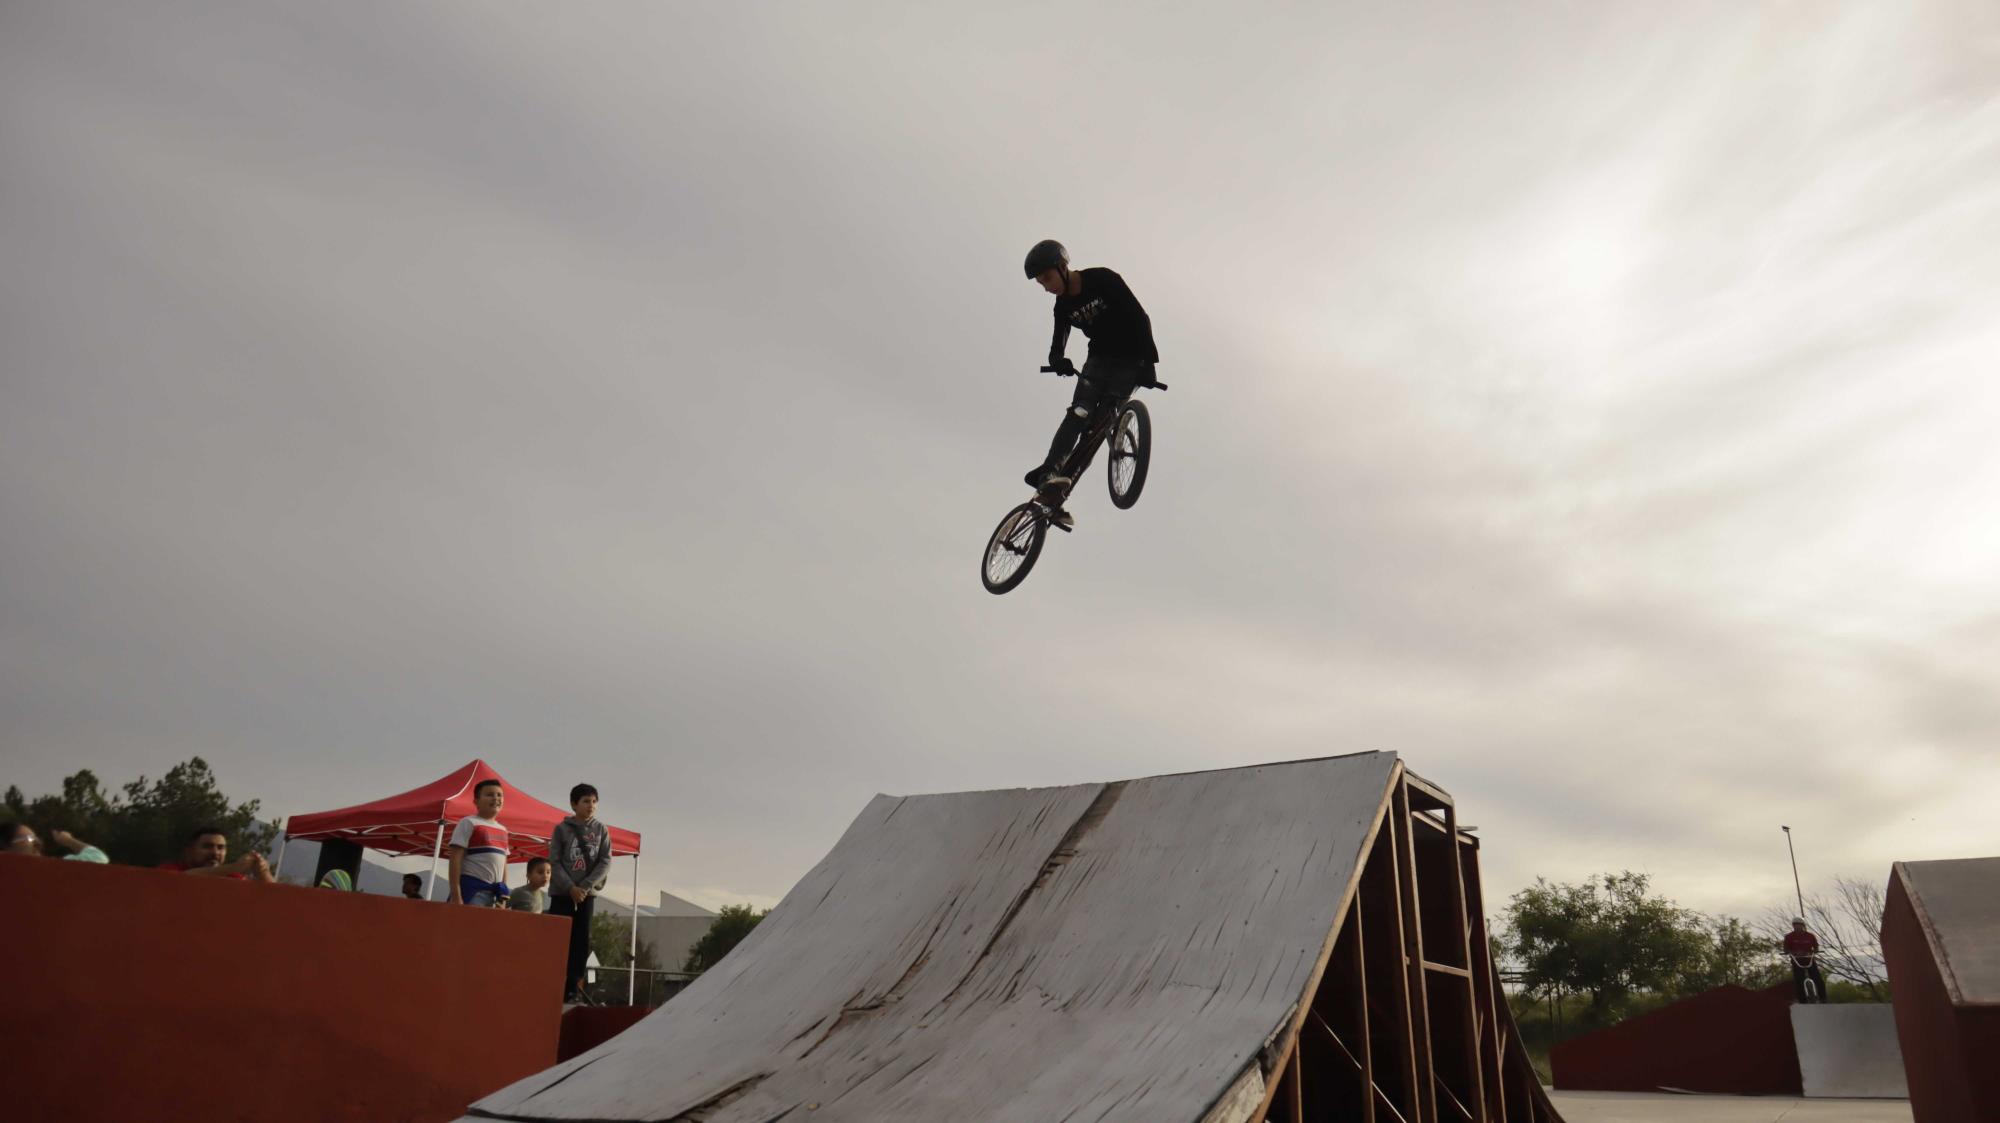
<point x="479" y="850"/>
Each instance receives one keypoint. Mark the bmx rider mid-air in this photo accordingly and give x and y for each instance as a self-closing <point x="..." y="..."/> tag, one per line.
<point x="1121" y="358"/>
<point x="1802" y="949"/>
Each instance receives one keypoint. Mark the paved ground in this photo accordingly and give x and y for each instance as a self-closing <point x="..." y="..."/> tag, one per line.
<point x="1624" y="1107"/>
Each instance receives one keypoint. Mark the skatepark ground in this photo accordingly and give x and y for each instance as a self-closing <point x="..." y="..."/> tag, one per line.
<point x="1635" y="1107"/>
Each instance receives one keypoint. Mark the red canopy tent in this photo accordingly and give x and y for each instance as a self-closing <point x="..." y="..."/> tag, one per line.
<point x="418" y="821"/>
<point x="414" y="822"/>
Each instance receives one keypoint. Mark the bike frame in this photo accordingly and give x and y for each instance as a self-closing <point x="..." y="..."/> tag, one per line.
<point x="1022" y="531"/>
<point x="1080" y="458"/>
<point x="1806" y="966"/>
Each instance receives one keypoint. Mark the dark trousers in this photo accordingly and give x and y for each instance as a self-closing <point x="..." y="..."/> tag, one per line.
<point x="1799" y="975"/>
<point x="579" y="937"/>
<point x="1100" y="381"/>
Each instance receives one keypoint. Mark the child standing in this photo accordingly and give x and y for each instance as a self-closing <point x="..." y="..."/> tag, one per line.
<point x="580" y="852"/>
<point x="533" y="896"/>
<point x="479" y="850"/>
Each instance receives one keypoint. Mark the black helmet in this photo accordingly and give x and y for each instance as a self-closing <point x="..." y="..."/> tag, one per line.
<point x="1047" y="254"/>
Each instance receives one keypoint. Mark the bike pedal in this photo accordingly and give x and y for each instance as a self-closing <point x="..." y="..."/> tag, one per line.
<point x="1061" y="527"/>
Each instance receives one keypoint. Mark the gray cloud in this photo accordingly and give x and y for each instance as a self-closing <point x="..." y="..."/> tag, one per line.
<point x="1592" y="407"/>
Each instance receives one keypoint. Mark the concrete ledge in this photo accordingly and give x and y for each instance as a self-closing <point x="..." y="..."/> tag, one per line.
<point x="1849" y="1050"/>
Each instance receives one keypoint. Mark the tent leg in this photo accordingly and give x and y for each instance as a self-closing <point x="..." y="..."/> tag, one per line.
<point x="430" y="883"/>
<point x="632" y="964"/>
<point x="278" y="864"/>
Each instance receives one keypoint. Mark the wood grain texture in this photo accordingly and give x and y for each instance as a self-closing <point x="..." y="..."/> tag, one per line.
<point x="1099" y="952"/>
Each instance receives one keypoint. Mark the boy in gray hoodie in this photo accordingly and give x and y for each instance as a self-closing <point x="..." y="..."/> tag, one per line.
<point x="579" y="863"/>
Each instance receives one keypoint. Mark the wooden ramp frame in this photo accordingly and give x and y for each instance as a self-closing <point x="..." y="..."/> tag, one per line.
<point x="1287" y="943"/>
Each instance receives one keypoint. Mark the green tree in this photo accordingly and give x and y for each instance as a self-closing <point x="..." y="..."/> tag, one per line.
<point x="1737" y="955"/>
<point x="147" y="822"/>
<point x="611" y="940"/>
<point x="724" y="932"/>
<point x="1606" y="938"/>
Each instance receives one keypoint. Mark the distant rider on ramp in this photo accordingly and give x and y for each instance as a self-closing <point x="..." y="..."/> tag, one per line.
<point x="1121" y="356"/>
<point x="1802" y="949"/>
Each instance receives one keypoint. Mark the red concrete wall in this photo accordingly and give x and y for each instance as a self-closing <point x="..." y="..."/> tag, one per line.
<point x="1950" y="1055"/>
<point x="140" y="994"/>
<point x="1727" y="1040"/>
<point x="586" y="1027"/>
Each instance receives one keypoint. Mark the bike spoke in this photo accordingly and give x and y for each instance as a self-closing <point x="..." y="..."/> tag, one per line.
<point x="1124" y="446"/>
<point x="1010" y="547"/>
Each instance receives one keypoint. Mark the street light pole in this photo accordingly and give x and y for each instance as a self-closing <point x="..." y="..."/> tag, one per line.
<point x="1795" y="870"/>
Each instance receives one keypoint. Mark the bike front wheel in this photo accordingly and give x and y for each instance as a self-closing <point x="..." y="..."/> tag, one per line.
<point x="1131" y="453"/>
<point x="1012" y="550"/>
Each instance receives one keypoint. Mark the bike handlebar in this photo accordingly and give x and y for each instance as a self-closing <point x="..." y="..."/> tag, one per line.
<point x="1154" y="385"/>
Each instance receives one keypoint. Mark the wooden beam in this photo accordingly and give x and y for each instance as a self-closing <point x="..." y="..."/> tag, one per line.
<point x="1327" y="1030"/>
<point x="1454" y="1101"/>
<point x="1394" y="1115"/>
<point x="1424" y="795"/>
<point x="1371" y="1095"/>
<point x="1390" y="923"/>
<point x="1413" y="956"/>
<point x="1295" y="1076"/>
<point x="1489" y="998"/>
<point x="1359" y="979"/>
<point x="1474" y="1071"/>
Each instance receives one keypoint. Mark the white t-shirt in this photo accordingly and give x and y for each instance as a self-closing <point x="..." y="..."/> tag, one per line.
<point x="485" y="842"/>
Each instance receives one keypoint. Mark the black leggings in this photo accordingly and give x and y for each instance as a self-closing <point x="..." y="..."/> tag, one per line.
<point x="579" y="938"/>
<point x="1100" y="381"/>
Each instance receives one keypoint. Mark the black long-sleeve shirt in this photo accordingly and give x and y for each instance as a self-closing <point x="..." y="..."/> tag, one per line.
<point x="1108" y="315"/>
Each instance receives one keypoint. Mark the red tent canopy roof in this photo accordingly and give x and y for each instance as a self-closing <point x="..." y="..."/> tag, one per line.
<point x="409" y="823"/>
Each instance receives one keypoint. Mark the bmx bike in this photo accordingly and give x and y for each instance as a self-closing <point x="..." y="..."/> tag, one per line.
<point x="1807" y="969"/>
<point x="1017" y="542"/>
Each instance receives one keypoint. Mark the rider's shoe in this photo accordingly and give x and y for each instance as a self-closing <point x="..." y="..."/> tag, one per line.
<point x="1044" y="477"/>
<point x="1063" y="519"/>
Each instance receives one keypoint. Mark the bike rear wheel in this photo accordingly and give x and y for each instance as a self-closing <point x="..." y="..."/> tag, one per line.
<point x="1013" y="548"/>
<point x="1131" y="453"/>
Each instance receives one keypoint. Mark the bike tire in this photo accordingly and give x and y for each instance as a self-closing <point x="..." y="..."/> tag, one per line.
<point x="1131" y="443"/>
<point x="1020" y="534"/>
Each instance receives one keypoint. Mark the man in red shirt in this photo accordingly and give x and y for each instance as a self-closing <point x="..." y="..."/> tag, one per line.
<point x="207" y="855"/>
<point x="1802" y="947"/>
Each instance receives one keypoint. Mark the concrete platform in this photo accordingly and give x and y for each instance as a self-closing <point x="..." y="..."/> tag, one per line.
<point x="1849" y="1051"/>
<point x="1647" y="1107"/>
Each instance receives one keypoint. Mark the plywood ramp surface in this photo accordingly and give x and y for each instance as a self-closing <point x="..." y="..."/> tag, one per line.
<point x="1958" y="902"/>
<point x="1099" y="952"/>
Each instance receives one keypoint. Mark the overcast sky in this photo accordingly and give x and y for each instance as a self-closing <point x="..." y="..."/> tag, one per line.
<point x="1594" y="403"/>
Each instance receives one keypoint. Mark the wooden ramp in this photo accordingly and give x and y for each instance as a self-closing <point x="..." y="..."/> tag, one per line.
<point x="1298" y="941"/>
<point x="1941" y="943"/>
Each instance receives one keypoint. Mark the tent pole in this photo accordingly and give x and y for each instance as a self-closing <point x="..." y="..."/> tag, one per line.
<point x="632" y="972"/>
<point x="430" y="883"/>
<point x="278" y="867"/>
